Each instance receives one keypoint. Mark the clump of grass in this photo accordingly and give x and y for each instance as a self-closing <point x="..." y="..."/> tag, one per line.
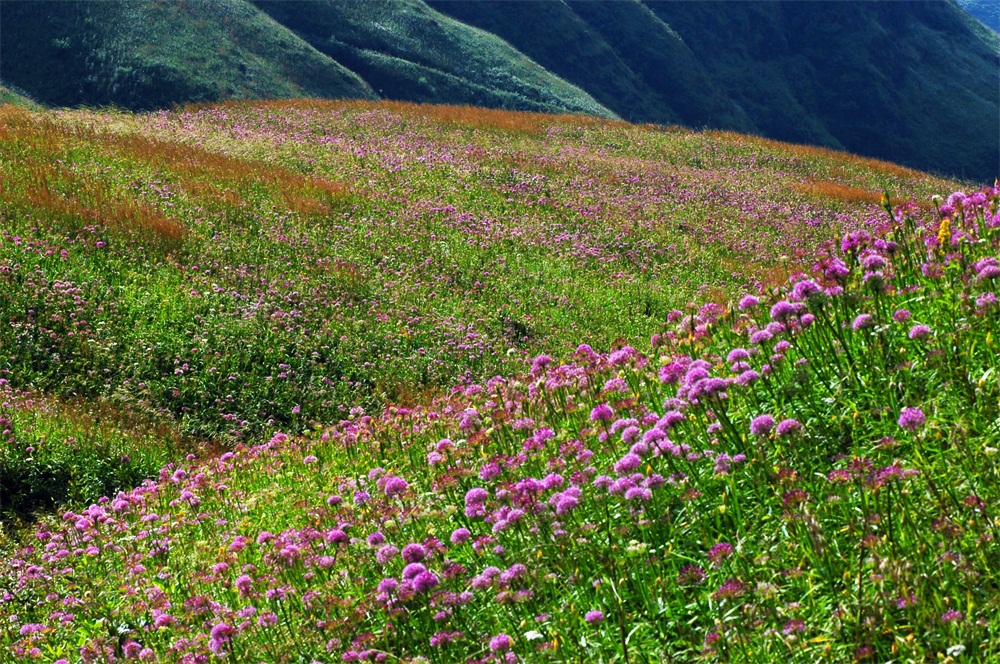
<point x="56" y="452"/>
<point x="807" y="473"/>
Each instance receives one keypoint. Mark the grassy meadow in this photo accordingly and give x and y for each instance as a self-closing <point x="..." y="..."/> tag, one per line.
<point x="350" y="381"/>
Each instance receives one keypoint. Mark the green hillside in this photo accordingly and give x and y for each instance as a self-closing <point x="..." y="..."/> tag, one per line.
<point x="903" y="81"/>
<point x="408" y="51"/>
<point x="8" y="96"/>
<point x="142" y="54"/>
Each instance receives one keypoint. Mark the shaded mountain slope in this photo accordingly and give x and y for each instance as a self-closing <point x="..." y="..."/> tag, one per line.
<point x="904" y="81"/>
<point x="620" y="52"/>
<point x="143" y="55"/>
<point x="901" y="81"/>
<point x="408" y="51"/>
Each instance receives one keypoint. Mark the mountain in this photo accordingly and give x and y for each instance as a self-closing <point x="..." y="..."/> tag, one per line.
<point x="903" y="81"/>
<point x="620" y="52"/>
<point x="408" y="51"/>
<point x="986" y="11"/>
<point x="900" y="81"/>
<point x="141" y="54"/>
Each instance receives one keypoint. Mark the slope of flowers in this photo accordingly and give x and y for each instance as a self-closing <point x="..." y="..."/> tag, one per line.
<point x="236" y="269"/>
<point x="811" y="475"/>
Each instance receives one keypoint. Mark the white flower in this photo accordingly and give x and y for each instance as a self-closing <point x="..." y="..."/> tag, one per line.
<point x="956" y="650"/>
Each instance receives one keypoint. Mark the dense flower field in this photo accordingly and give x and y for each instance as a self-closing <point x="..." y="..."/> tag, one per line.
<point x="225" y="272"/>
<point x="807" y="472"/>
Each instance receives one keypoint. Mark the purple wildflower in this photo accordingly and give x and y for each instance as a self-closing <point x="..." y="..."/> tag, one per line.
<point x="476" y="496"/>
<point x="793" y="626"/>
<point x="730" y="589"/>
<point x="788" y="427"/>
<point x="639" y="493"/>
<point x="244" y="584"/>
<point x="720" y="552"/>
<point x="805" y="289"/>
<point x="918" y="332"/>
<point x="425" y="581"/>
<point x="627" y="464"/>
<point x="385" y="555"/>
<point x="912" y="419"/>
<point x="221" y="635"/>
<point x="594" y="617"/>
<point x="691" y="575"/>
<point x="762" y="425"/>
<point x="783" y="310"/>
<point x="873" y="262"/>
<point x="862" y="322"/>
<point x="951" y="615"/>
<point x="601" y="413"/>
<point x="395" y="486"/>
<point x="501" y="643"/>
<point x="737" y="355"/>
<point x="414" y="552"/>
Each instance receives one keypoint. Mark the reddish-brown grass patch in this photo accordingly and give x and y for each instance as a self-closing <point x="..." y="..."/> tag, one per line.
<point x="813" y="151"/>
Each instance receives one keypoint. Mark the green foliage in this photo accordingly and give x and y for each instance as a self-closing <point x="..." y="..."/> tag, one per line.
<point x="53" y="453"/>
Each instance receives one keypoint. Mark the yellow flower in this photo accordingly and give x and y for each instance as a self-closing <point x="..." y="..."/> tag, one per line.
<point x="944" y="232"/>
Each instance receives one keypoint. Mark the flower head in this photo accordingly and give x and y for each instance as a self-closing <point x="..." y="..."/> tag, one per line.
<point x="601" y="413"/>
<point x="912" y="419"/>
<point x="762" y="425"/>
<point x="413" y="553"/>
<point x="395" y="486"/>
<point x="788" y="427"/>
<point x="951" y="616"/>
<point x="501" y="643"/>
<point x="720" y="552"/>
<point x="863" y="322"/>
